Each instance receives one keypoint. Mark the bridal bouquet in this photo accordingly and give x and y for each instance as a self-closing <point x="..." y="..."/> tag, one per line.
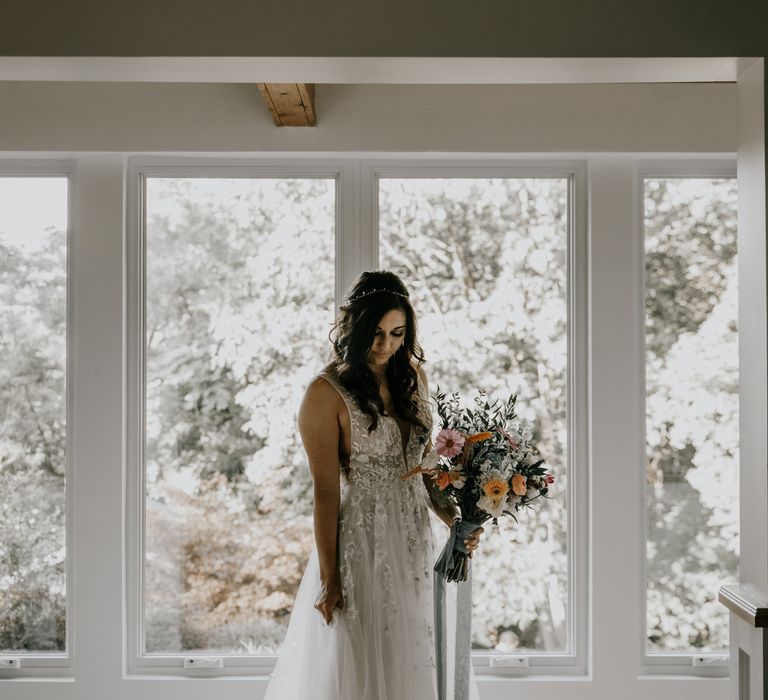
<point x="483" y="461"/>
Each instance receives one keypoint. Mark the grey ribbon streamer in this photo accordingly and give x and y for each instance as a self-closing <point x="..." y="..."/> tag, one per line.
<point x="463" y="638"/>
<point x="459" y="532"/>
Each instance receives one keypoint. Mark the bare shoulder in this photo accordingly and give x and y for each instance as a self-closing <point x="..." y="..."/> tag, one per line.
<point x="320" y="393"/>
<point x="318" y="419"/>
<point x="319" y="430"/>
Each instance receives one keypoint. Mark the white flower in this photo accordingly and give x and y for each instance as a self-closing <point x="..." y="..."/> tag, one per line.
<point x="431" y="460"/>
<point x="491" y="473"/>
<point x="496" y="509"/>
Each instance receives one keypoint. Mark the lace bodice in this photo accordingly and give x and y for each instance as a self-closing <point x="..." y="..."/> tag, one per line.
<point x="373" y="488"/>
<point x="378" y="457"/>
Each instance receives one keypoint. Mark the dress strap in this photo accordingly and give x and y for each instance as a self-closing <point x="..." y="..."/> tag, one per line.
<point x="348" y="400"/>
<point x="335" y="382"/>
<point x="421" y="391"/>
<point x="353" y="416"/>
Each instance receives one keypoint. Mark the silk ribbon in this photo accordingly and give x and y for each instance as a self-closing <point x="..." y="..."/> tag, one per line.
<point x="459" y="532"/>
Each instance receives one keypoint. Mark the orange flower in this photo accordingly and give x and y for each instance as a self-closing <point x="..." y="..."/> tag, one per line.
<point x="479" y="437"/>
<point x="518" y="485"/>
<point x="416" y="470"/>
<point x="443" y="480"/>
<point x="495" y="489"/>
<point x="426" y="467"/>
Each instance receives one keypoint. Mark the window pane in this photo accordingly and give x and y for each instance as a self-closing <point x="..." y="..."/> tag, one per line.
<point x="33" y="346"/>
<point x="692" y="427"/>
<point x="239" y="303"/>
<point x="485" y="261"/>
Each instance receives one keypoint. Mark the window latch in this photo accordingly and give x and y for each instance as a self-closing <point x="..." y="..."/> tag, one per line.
<point x="709" y="660"/>
<point x="506" y="661"/>
<point x="203" y="662"/>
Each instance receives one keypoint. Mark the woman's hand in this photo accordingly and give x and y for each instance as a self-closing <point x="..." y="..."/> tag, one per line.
<point x="473" y="540"/>
<point x="329" y="597"/>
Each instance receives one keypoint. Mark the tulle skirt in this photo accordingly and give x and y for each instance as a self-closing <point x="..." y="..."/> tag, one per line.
<point x="380" y="646"/>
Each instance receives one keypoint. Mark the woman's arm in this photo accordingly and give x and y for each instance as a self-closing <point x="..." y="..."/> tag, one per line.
<point x="443" y="508"/>
<point x="319" y="429"/>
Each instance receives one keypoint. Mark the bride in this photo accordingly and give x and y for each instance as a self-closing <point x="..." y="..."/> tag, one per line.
<point x="362" y="622"/>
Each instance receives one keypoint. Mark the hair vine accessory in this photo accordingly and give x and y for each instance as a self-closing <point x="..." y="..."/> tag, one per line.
<point x="374" y="291"/>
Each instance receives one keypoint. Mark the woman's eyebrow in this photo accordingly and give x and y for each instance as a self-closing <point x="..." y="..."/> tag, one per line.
<point x="378" y="328"/>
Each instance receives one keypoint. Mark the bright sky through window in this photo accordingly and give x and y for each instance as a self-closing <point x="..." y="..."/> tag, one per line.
<point x="29" y="208"/>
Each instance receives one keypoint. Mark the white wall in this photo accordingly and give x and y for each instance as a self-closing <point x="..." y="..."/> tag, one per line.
<point x="62" y="116"/>
<point x="753" y="383"/>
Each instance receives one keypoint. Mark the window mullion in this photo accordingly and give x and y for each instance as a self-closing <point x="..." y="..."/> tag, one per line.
<point x="618" y="537"/>
<point x="97" y="468"/>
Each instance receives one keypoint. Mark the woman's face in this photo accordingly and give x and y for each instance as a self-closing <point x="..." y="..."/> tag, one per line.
<point x="390" y="335"/>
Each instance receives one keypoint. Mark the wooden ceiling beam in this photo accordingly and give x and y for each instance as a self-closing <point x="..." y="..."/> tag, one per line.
<point x="291" y="104"/>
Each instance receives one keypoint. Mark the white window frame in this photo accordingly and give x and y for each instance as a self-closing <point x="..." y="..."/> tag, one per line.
<point x="357" y="249"/>
<point x="135" y="367"/>
<point x="573" y="660"/>
<point x="709" y="664"/>
<point x="609" y="659"/>
<point x="39" y="664"/>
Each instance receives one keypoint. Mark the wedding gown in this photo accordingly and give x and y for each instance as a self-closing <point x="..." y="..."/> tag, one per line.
<point x="380" y="646"/>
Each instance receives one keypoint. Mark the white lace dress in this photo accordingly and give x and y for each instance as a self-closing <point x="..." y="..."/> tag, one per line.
<point x="381" y="645"/>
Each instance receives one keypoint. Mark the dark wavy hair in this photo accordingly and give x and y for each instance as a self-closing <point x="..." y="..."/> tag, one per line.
<point x="352" y="337"/>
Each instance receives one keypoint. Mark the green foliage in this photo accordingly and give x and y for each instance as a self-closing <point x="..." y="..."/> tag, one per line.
<point x="453" y="415"/>
<point x="692" y="411"/>
<point x="690" y="242"/>
<point x="239" y="305"/>
<point x="32" y="445"/>
<point x="220" y="576"/>
<point x="484" y="261"/>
